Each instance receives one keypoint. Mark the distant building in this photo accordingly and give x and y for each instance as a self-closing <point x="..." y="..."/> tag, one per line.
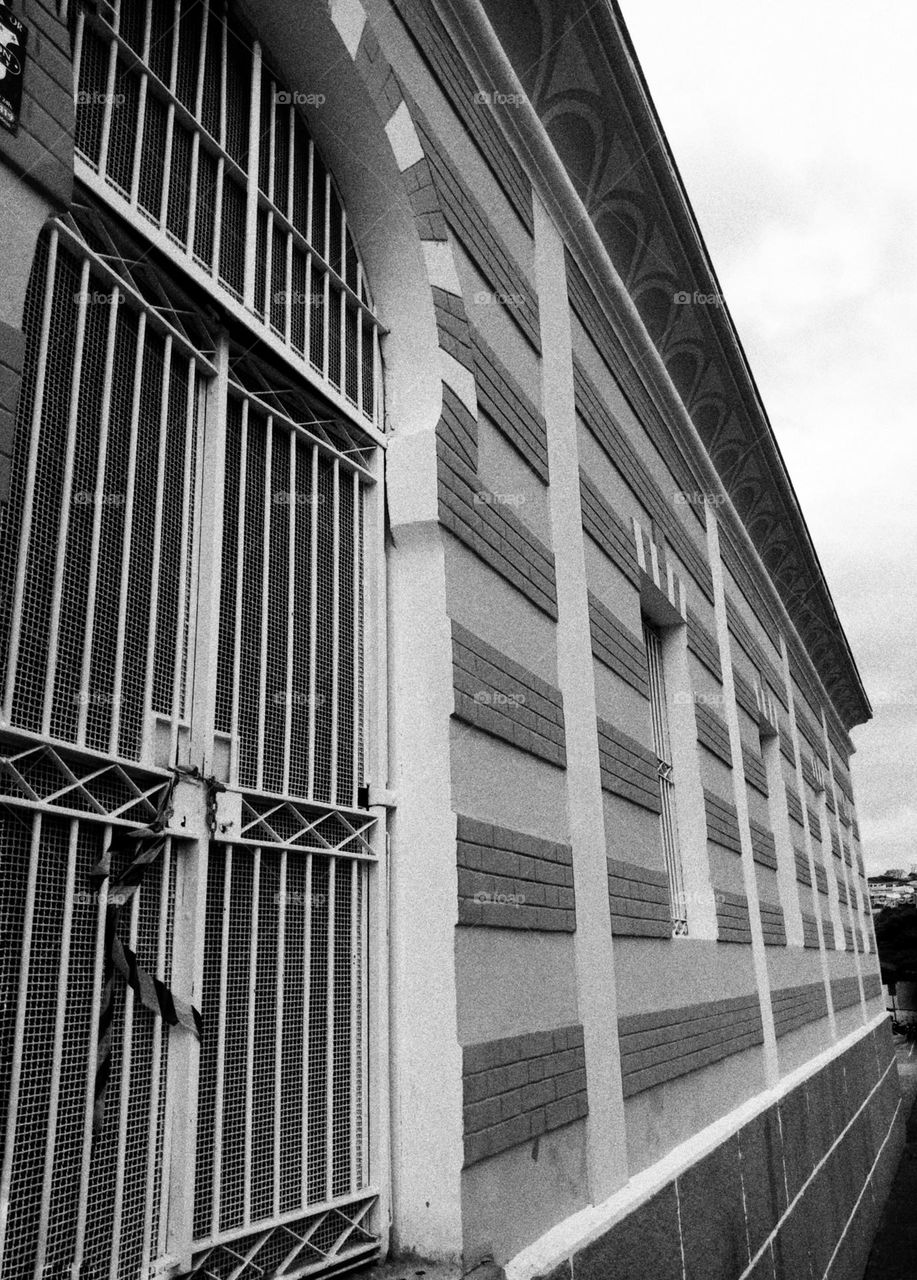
<point x="416" y="662"/>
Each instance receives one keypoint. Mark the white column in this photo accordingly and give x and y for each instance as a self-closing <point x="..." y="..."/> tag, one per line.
<point x="807" y="835"/>
<point x="426" y="1059"/>
<point x="740" y="793"/>
<point x="606" y="1139"/>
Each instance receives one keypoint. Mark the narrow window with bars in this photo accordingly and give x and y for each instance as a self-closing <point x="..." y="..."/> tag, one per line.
<point x="652" y="639"/>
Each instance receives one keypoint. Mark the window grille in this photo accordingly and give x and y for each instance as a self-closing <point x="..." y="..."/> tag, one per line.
<point x="182" y="126"/>
<point x="662" y="748"/>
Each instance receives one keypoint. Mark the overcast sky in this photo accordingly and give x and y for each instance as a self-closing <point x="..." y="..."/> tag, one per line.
<point x="793" y="125"/>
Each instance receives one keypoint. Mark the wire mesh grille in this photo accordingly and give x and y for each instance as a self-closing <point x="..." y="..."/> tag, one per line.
<point x="289" y="654"/>
<point x="281" y="1082"/>
<point x="51" y="981"/>
<point x="164" y="120"/>
<point x="98" y="543"/>
<point x="669" y="830"/>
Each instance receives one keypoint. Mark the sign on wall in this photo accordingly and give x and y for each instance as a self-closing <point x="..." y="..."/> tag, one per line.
<point x="12" y="66"/>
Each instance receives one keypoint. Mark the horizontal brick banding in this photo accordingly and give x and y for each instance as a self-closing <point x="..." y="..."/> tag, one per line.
<point x="872" y="986"/>
<point x="712" y="732"/>
<point x="810" y="731"/>
<point x="504" y="699"/>
<point x="848" y="935"/>
<point x="855" y="828"/>
<point x="607" y="529"/>
<point x="809" y="930"/>
<point x="511" y="880"/>
<point x="627" y="768"/>
<point x="668" y="1043"/>
<point x="844" y="992"/>
<point x="732" y="917"/>
<point x="746" y="582"/>
<point x="492" y="532"/>
<point x="786" y="745"/>
<point x="458" y="430"/>
<point x="639" y="899"/>
<point x="452" y="326"/>
<point x="763" y="845"/>
<point x="755" y="772"/>
<point x="829" y="801"/>
<point x="808" y="770"/>
<point x="614" y="441"/>
<point x="821" y="877"/>
<point x="455" y="80"/>
<point x="772" y="924"/>
<point x="814" y="823"/>
<point x="842" y="893"/>
<point x="753" y="650"/>
<point x="722" y="822"/>
<point x="617" y="647"/>
<point x="835" y="843"/>
<point x="803" y="874"/>
<point x="794" y="1007"/>
<point x="745" y="695"/>
<point x="471" y="225"/>
<point x="702" y="644"/>
<point x="793" y="804"/>
<point x="506" y="404"/>
<point x="521" y="1087"/>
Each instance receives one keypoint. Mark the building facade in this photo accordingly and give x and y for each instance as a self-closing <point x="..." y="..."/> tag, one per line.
<point x="427" y="818"/>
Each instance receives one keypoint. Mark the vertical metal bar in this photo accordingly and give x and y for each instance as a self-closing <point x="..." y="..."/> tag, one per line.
<point x="306" y="1037"/>
<point x="105" y="136"/>
<point x="170" y="117"/>
<point x="220" y="1087"/>
<point x="78" y="50"/>
<point x="326" y="309"/>
<point x="221" y="164"/>
<point x="313" y="621"/>
<point x="65" y="502"/>
<point x="57" y="1054"/>
<point x="293" y="509"/>
<point x="357" y="635"/>
<point x="329" y="1034"/>
<point x="31" y="470"/>
<point x="123" y="588"/>
<point x="251" y="182"/>
<point x="182" y="601"/>
<point x="196" y="135"/>
<point x="124" y="1100"/>
<point x="355" y="870"/>
<point x="335" y="626"/>
<point x="141" y="103"/>
<point x="288" y="285"/>
<point x="278" y="1024"/>
<point x="91" y="589"/>
<point x="91" y="1063"/>
<point x="250" y="1037"/>
<point x="265" y="593"/>
<point x="359" y="320"/>
<point x="240" y="569"/>
<point x="155" y="568"/>
<point x="152" y="1151"/>
<point x="307" y="336"/>
<point x="25" y="955"/>
<point x="378" y="416"/>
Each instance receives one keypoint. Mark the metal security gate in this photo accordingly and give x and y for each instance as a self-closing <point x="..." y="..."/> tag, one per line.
<point x="182" y="571"/>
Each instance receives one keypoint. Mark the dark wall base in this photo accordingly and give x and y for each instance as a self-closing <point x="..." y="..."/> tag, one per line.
<point x="796" y="1194"/>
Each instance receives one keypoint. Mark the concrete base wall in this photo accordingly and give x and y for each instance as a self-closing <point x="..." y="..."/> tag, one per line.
<point x="795" y="1194"/>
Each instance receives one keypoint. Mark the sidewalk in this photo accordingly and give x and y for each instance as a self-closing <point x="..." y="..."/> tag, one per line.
<point x="894" y="1251"/>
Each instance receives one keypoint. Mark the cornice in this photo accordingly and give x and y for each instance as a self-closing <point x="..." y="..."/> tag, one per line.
<point x="742" y="465"/>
